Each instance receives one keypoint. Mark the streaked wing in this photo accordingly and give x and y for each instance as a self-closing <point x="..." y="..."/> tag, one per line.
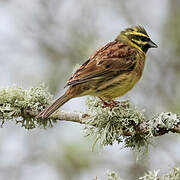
<point x="114" y="58"/>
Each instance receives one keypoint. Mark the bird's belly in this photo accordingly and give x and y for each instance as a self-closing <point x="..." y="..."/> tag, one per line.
<point x="118" y="87"/>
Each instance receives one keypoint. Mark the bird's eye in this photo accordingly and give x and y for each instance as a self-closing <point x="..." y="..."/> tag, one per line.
<point x="142" y="38"/>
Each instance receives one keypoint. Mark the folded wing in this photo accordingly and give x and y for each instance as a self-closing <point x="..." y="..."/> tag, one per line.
<point x="113" y="59"/>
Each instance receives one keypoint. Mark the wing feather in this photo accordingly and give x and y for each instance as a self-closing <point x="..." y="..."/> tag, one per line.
<point x="113" y="59"/>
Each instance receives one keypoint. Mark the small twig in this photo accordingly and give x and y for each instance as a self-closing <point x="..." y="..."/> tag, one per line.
<point x="70" y="116"/>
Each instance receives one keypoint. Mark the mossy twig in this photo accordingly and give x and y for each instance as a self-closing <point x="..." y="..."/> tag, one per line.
<point x="123" y="123"/>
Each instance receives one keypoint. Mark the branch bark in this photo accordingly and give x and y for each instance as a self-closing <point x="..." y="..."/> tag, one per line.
<point x="78" y="117"/>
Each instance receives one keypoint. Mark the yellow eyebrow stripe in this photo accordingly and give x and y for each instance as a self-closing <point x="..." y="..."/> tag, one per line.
<point x="137" y="33"/>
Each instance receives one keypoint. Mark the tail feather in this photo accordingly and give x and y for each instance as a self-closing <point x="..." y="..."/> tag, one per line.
<point x="54" y="106"/>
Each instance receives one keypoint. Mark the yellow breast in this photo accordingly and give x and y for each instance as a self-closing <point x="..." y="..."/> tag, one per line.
<point x="121" y="84"/>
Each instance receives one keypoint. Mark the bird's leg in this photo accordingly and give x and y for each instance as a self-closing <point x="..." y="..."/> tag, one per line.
<point x="104" y="102"/>
<point x="115" y="102"/>
<point x="110" y="105"/>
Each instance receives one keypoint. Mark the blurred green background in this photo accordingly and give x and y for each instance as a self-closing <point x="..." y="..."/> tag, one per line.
<point x="41" y="41"/>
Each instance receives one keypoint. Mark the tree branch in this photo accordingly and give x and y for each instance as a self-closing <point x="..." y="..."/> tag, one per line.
<point x="123" y="122"/>
<point x="70" y="116"/>
<point x="141" y="128"/>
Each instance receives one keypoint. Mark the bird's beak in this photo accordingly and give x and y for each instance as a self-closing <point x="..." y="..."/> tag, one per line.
<point x="152" y="44"/>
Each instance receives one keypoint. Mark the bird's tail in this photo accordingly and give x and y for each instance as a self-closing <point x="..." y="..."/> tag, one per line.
<point x="54" y="106"/>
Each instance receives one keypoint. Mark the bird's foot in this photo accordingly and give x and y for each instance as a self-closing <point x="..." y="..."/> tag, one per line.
<point x="110" y="104"/>
<point x="115" y="102"/>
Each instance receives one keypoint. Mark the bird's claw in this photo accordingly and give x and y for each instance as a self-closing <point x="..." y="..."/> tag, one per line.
<point x="111" y="105"/>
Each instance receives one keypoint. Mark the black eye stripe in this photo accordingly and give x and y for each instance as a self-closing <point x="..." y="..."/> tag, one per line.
<point x="142" y="38"/>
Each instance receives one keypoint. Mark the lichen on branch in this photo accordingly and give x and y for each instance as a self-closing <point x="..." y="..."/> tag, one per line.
<point x="118" y="124"/>
<point x="22" y="106"/>
<point x="123" y="123"/>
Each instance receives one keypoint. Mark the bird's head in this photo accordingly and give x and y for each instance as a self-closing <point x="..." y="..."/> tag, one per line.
<point x="137" y="36"/>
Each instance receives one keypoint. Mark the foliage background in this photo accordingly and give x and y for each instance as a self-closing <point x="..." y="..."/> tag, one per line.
<point x="41" y="41"/>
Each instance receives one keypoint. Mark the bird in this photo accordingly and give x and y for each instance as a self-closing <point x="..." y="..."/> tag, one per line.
<point x="110" y="72"/>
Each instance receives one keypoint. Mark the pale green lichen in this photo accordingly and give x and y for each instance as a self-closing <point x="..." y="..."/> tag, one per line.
<point x="18" y="104"/>
<point x="112" y="175"/>
<point x="108" y="125"/>
<point x="174" y="174"/>
<point x="111" y="125"/>
<point x="164" y="120"/>
<point x="154" y="175"/>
